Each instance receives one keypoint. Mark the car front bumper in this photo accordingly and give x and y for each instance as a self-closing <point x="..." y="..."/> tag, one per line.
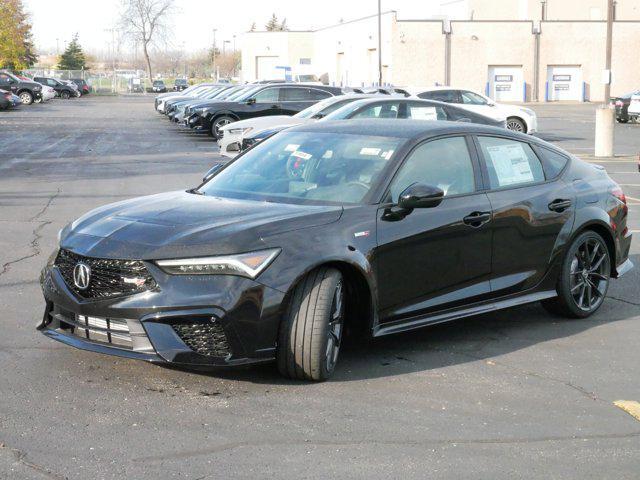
<point x="189" y="320"/>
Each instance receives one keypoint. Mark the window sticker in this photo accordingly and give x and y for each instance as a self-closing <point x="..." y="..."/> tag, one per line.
<point x="424" y="113"/>
<point x="370" y="151"/>
<point x="511" y="164"/>
<point x="302" y="155"/>
<point x="291" y="147"/>
<point x="328" y="154"/>
<point x="387" y="154"/>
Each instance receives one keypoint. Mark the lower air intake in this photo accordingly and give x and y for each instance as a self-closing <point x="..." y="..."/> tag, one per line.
<point x="206" y="339"/>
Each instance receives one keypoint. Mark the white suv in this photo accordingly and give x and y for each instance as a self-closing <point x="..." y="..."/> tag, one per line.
<point x="518" y="118"/>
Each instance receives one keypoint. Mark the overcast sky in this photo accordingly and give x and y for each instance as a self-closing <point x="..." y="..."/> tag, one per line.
<point x="194" y="20"/>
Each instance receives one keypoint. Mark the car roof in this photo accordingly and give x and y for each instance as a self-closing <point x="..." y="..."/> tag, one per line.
<point x="404" y="128"/>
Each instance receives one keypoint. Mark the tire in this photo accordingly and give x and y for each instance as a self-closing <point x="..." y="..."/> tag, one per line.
<point x="516" y="125"/>
<point x="584" y="279"/>
<point x="623" y="120"/>
<point x="26" y="98"/>
<point x="312" y="328"/>
<point x="65" y="95"/>
<point x="218" y="123"/>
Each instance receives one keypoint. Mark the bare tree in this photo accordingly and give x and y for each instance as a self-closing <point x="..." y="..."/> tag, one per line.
<point x="145" y="21"/>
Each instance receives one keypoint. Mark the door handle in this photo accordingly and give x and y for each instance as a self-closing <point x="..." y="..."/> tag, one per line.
<point x="477" y="219"/>
<point x="559" y="205"/>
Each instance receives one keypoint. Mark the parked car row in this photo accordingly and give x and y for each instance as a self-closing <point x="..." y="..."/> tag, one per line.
<point x="41" y="89"/>
<point x="240" y="116"/>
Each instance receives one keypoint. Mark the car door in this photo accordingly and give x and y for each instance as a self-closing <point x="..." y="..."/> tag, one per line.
<point x="430" y="259"/>
<point x="263" y="102"/>
<point x="295" y="99"/>
<point x="532" y="211"/>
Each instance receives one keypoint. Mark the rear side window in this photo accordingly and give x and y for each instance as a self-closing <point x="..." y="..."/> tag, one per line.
<point x="553" y="162"/>
<point x="449" y="96"/>
<point x="510" y="162"/>
<point x="470" y="98"/>
<point x="303" y="94"/>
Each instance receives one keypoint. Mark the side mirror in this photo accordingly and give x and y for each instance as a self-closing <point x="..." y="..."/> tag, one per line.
<point x="212" y="172"/>
<point x="419" y="195"/>
<point x="251" y="101"/>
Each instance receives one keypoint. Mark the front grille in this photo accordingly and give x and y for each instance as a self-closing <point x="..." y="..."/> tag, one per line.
<point x="204" y="338"/>
<point x="108" y="278"/>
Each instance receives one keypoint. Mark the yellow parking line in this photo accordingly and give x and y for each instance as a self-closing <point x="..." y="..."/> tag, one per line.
<point x="629" y="406"/>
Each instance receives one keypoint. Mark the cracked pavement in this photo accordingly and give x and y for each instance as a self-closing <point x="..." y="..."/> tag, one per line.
<point x="514" y="394"/>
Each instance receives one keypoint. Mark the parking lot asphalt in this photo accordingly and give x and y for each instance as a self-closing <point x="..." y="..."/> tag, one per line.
<point x="514" y="394"/>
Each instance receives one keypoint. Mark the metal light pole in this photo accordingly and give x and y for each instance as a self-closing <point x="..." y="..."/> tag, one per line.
<point x="379" y="43"/>
<point x="605" y="115"/>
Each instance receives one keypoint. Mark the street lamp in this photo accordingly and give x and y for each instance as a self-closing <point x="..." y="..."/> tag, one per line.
<point x="379" y="43"/>
<point x="214" y="51"/>
<point x="224" y="44"/>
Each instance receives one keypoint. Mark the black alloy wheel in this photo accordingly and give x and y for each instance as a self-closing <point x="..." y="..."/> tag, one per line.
<point x="584" y="280"/>
<point x="218" y="123"/>
<point x="312" y="328"/>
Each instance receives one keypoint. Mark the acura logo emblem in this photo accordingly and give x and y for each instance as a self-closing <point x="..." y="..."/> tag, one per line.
<point x="82" y="275"/>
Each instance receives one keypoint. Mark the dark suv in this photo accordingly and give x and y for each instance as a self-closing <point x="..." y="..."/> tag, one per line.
<point x="62" y="89"/>
<point x="274" y="99"/>
<point x="26" y="90"/>
<point x="180" y="84"/>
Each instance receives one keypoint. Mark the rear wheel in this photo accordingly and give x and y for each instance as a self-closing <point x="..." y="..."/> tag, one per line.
<point x="26" y="98"/>
<point x="516" y="125"/>
<point x="584" y="280"/>
<point x="311" y="331"/>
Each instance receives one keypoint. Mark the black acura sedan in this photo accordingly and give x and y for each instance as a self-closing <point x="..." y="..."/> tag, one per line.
<point x="370" y="226"/>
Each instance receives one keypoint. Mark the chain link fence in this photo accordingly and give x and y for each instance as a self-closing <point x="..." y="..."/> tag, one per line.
<point x="108" y="82"/>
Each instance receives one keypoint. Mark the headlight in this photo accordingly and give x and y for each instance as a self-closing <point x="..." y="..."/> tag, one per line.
<point x="248" y="265"/>
<point x="37" y="88"/>
<point x="199" y="111"/>
<point x="239" y="131"/>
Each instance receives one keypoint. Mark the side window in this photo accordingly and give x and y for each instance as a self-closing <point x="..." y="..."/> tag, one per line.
<point x="298" y="94"/>
<point x="51" y="82"/>
<point x="379" y="110"/>
<point x="268" y="95"/>
<point x="449" y="96"/>
<point x="443" y="163"/>
<point x="552" y="162"/>
<point x="470" y="98"/>
<point x="510" y="162"/>
<point x="421" y="111"/>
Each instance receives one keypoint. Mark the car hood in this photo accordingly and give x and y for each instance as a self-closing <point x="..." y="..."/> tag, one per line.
<point x="181" y="224"/>
<point x="213" y="105"/>
<point x="260" y="123"/>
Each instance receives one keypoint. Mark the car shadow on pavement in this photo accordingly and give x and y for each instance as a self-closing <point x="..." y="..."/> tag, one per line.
<point x="479" y="338"/>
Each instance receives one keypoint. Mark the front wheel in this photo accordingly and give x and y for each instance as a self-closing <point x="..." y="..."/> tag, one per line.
<point x="311" y="330"/>
<point x="65" y="95"/>
<point x="584" y="280"/>
<point x="26" y="98"/>
<point x="218" y="123"/>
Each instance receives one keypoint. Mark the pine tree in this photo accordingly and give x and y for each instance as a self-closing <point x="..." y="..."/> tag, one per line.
<point x="73" y="56"/>
<point x="272" y="25"/>
<point x="16" y="43"/>
<point x="283" y="26"/>
<point x="253" y="27"/>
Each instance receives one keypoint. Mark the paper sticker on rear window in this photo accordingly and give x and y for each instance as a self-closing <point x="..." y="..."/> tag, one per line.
<point x="511" y="164"/>
<point x="370" y="151"/>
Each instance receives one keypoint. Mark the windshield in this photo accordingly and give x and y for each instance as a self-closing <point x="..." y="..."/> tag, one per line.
<point x="191" y="89"/>
<point x="157" y="83"/>
<point x="325" y="107"/>
<point x="248" y="93"/>
<point x="307" y="167"/>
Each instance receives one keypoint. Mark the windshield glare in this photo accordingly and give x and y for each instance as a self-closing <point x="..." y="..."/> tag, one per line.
<point x="307" y="167"/>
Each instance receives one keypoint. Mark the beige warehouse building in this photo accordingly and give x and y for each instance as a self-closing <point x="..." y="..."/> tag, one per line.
<point x="513" y="50"/>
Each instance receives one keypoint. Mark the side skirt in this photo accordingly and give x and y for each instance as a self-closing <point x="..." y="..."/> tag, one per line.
<point x="423" y="321"/>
